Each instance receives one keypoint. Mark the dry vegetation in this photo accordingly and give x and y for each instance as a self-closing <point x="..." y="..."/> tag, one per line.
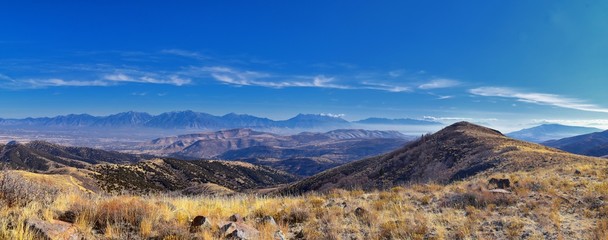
<point x="563" y="202"/>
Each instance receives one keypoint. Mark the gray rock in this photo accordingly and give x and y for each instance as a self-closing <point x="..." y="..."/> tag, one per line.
<point x="360" y="212"/>
<point x="278" y="235"/>
<point x="237" y="234"/>
<point x="68" y="216"/>
<point x="501" y="183"/>
<point x="53" y="229"/>
<point x="236" y="218"/>
<point x="269" y="220"/>
<point x="239" y="230"/>
<point x="199" y="223"/>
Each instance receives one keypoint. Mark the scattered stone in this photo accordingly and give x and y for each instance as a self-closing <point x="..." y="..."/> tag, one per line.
<point x="239" y="230"/>
<point x="68" y="216"/>
<point x="235" y="218"/>
<point x="237" y="234"/>
<point x="199" y="223"/>
<point x="53" y="229"/>
<point x="501" y="191"/>
<point x="577" y="172"/>
<point x="360" y="212"/>
<point x="278" y="235"/>
<point x="269" y="220"/>
<point x="501" y="183"/>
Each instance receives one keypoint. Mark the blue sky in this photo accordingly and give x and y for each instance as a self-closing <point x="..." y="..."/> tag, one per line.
<point x="506" y="64"/>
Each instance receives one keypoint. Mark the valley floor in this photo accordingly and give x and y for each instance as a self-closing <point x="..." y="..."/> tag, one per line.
<point x="561" y="203"/>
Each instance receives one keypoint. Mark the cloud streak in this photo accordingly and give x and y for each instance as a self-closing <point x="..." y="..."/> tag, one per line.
<point x="184" y="53"/>
<point x="183" y="67"/>
<point x="538" y="98"/>
<point x="170" y="80"/>
<point x="231" y="76"/>
<point x="105" y="81"/>
<point x="439" y="83"/>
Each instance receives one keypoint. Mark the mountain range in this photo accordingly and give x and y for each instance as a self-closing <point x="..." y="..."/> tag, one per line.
<point x="457" y="152"/>
<point x="546" y="132"/>
<point x="302" y="154"/>
<point x="592" y="144"/>
<point x="196" y="120"/>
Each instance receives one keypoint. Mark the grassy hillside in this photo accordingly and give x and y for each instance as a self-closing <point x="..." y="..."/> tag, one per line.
<point x="454" y="153"/>
<point x="561" y="202"/>
<point x="550" y="195"/>
<point x="115" y="172"/>
<point x="44" y="156"/>
<point x="163" y="175"/>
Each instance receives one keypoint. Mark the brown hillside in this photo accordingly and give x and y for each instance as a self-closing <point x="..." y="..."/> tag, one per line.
<point x="456" y="152"/>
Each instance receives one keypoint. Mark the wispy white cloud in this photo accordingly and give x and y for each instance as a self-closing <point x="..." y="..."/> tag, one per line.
<point x="225" y="71"/>
<point x="444" y="97"/>
<point x="5" y="78"/>
<point x="141" y="94"/>
<point x="232" y="76"/>
<point x="57" y="82"/>
<point x="439" y="83"/>
<point x="107" y="80"/>
<point x="385" y="87"/>
<point x="538" y="98"/>
<point x="334" y="115"/>
<point x="171" y="80"/>
<point x="184" y="53"/>
<point x="441" y="97"/>
<point x="236" y="77"/>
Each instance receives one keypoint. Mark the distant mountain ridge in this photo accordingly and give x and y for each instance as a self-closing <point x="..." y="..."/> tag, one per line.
<point x="196" y="120"/>
<point x="318" y="151"/>
<point x="546" y="132"/>
<point x="210" y="144"/>
<point x="592" y="144"/>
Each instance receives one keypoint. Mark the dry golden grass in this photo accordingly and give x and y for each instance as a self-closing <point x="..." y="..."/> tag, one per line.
<point x="553" y="203"/>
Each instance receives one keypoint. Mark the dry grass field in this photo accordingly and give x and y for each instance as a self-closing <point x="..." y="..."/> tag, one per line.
<point x="560" y="202"/>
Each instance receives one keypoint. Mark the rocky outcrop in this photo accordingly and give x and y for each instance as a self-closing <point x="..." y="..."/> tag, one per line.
<point x="53" y="229"/>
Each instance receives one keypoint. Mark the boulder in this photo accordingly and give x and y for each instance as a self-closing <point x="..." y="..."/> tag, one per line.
<point x="360" y="212"/>
<point x="53" y="229"/>
<point x="269" y="220"/>
<point x="501" y="183"/>
<point x="68" y="216"/>
<point x="239" y="230"/>
<point x="199" y="223"/>
<point x="235" y="218"/>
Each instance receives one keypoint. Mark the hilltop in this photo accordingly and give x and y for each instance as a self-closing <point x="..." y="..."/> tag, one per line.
<point x="457" y="152"/>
